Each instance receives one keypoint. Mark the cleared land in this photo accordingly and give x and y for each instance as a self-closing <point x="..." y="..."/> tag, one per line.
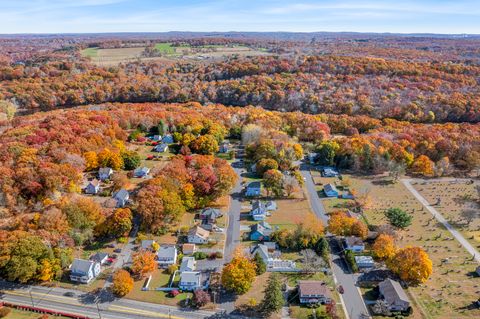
<point x="168" y="52"/>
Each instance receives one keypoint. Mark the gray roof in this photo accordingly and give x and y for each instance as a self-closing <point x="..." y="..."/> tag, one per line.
<point x="393" y="291"/>
<point x="147" y="243"/>
<point x="161" y="146"/>
<point x="81" y="266"/>
<point x="260" y="227"/>
<point x="255" y="185"/>
<point x="187" y="263"/>
<point x="143" y="170"/>
<point x="258" y="205"/>
<point x="354" y="241"/>
<point x="166" y="251"/>
<point x="190" y="276"/>
<point x="98" y="257"/>
<point x="105" y="170"/>
<point x="121" y="194"/>
<point x="330" y="188"/>
<point x="211" y="212"/>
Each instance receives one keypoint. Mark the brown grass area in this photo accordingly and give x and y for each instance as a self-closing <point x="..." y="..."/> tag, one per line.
<point x="289" y="213"/>
<point x="450" y="290"/>
<point x="457" y="204"/>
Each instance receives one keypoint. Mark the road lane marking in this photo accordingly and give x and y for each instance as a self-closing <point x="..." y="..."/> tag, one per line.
<point x="142" y="312"/>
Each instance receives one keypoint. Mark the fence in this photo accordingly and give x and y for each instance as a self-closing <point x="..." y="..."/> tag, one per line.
<point x="43" y="310"/>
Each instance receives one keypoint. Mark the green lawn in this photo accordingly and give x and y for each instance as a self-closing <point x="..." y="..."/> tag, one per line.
<point x="90" y="52"/>
<point x="165" y="48"/>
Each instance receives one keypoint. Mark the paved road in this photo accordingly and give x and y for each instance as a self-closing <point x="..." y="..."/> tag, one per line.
<point x="351" y="300"/>
<point x="233" y="229"/>
<point x="441" y="219"/>
<point x="93" y="306"/>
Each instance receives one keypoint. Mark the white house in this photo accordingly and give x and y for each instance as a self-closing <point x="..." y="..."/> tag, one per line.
<point x="190" y="280"/>
<point x="198" y="235"/>
<point x="270" y="258"/>
<point x="188" y="264"/>
<point x="259" y="211"/>
<point x="84" y="271"/>
<point x="364" y="262"/>
<point x="93" y="187"/>
<point x="354" y="244"/>
<point x="167" y="256"/>
<point x="313" y="292"/>
<point x="253" y="189"/>
<point x="100" y="258"/>
<point x="104" y="173"/>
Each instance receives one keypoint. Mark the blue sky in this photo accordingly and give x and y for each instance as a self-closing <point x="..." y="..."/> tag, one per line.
<point x="85" y="16"/>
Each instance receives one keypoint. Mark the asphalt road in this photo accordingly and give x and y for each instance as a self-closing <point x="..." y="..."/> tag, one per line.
<point x="352" y="299"/>
<point x="91" y="305"/>
<point x="233" y="229"/>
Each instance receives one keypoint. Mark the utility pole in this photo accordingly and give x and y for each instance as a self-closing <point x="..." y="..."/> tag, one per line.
<point x="31" y="297"/>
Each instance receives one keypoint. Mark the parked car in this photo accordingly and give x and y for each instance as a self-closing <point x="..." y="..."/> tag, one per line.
<point x="118" y="250"/>
<point x="69" y="294"/>
<point x="340" y="289"/>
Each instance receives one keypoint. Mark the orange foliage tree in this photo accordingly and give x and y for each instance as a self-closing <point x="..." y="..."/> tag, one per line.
<point x="384" y="247"/>
<point x="238" y="275"/>
<point x="143" y="263"/>
<point x="342" y="225"/>
<point x="423" y="166"/>
<point x="411" y="264"/>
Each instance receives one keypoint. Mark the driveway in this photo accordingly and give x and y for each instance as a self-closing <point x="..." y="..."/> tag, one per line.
<point x="352" y="300"/>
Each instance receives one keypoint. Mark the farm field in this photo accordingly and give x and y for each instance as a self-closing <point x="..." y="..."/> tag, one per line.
<point x="110" y="57"/>
<point x="451" y="290"/>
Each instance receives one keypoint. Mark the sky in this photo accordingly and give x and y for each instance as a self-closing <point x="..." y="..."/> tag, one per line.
<point x="91" y="16"/>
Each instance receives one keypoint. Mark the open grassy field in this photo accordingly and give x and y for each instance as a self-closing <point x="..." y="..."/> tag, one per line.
<point x="289" y="213"/>
<point x="451" y="290"/>
<point x="458" y="204"/>
<point x="110" y="57"/>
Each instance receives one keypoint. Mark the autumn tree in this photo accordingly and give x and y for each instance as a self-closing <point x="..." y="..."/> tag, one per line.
<point x="326" y="152"/>
<point x="266" y="164"/>
<point x="122" y="283"/>
<point x="200" y="298"/>
<point x="273" y="182"/>
<point x="342" y="225"/>
<point x="91" y="160"/>
<point x="143" y="263"/>
<point x="238" y="275"/>
<point x="398" y="217"/>
<point x="119" y="180"/>
<point x="205" y="144"/>
<point x="384" y="247"/>
<point x="131" y="160"/>
<point x="423" y="166"/>
<point x="261" y="267"/>
<point x="83" y="215"/>
<point x="117" y="224"/>
<point x="411" y="264"/>
<point x="109" y="158"/>
<point x="290" y="184"/>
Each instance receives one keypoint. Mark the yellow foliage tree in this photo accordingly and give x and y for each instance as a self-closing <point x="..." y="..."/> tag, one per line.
<point x="122" y="283"/>
<point x="46" y="270"/>
<point x="342" y="225"/>
<point x="238" y="275"/>
<point x="423" y="166"/>
<point x="91" y="160"/>
<point x="384" y="247"/>
<point x="108" y="158"/>
<point x="411" y="264"/>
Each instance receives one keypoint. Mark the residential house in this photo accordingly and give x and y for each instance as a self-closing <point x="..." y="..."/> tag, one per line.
<point x="373" y="277"/>
<point x="260" y="231"/>
<point x="394" y="295"/>
<point x="210" y="214"/>
<point x="329" y="172"/>
<point x="167" y="139"/>
<point x="141" y="172"/>
<point x="272" y="259"/>
<point x="100" y="258"/>
<point x="193" y="280"/>
<point x="262" y="250"/>
<point x="354" y="244"/>
<point x="330" y="190"/>
<point x="93" y="187"/>
<point x="224" y="147"/>
<point x="312" y="158"/>
<point x="161" y="148"/>
<point x="188" y="264"/>
<point x="156" y="138"/>
<point x="313" y="292"/>
<point x="167" y="256"/>
<point x="198" y="235"/>
<point x="188" y="249"/>
<point x="84" y="271"/>
<point x="147" y="244"/>
<point x="270" y="205"/>
<point x="259" y="211"/>
<point x="253" y="168"/>
<point x="121" y="197"/>
<point x="364" y="262"/>
<point x="104" y="173"/>
<point x="253" y="189"/>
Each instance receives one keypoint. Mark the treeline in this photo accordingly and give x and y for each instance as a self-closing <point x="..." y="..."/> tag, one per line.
<point x="379" y="88"/>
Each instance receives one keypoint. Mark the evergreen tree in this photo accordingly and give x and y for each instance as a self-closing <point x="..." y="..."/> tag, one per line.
<point x="261" y="266"/>
<point x="273" y="299"/>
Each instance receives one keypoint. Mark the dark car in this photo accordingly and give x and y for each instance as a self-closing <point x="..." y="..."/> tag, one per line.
<point x="340" y="289"/>
<point x="118" y="250"/>
<point x="69" y="294"/>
